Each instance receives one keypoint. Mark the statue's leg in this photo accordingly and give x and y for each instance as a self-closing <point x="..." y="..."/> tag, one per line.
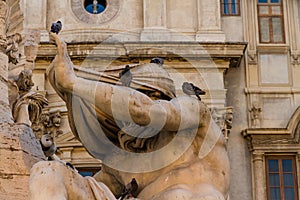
<point x="55" y="180"/>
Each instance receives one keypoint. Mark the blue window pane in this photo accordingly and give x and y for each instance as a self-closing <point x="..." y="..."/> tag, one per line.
<point x="289" y="194"/>
<point x="226" y="8"/>
<point x="86" y="173"/>
<point x="274" y="179"/>
<point x="275" y="1"/>
<point x="90" y="8"/>
<point x="233" y="7"/>
<point x="287" y="165"/>
<point x="288" y="179"/>
<point x="275" y="193"/>
<point x="273" y="165"/>
<point x="262" y="1"/>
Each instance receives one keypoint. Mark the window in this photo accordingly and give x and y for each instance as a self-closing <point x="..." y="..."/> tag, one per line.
<point x="270" y="21"/>
<point x="281" y="178"/>
<point x="88" y="171"/>
<point x="95" y="6"/>
<point x="230" y="7"/>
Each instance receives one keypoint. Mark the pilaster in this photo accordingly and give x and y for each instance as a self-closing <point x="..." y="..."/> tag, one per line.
<point x="155" y="27"/>
<point x="35" y="16"/>
<point x="209" y="21"/>
<point x="259" y="176"/>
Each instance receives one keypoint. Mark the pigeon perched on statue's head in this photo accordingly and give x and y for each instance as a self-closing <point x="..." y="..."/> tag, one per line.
<point x="158" y="61"/>
<point x="56" y="27"/>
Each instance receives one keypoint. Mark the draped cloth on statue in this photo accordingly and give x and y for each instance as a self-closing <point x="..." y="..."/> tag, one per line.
<point x="100" y="190"/>
<point x="98" y="131"/>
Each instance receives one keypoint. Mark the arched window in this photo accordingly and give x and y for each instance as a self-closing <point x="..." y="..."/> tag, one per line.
<point x="95" y="6"/>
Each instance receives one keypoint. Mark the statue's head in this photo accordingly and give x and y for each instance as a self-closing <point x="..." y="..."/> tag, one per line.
<point x="152" y="80"/>
<point x="24" y="81"/>
<point x="56" y="118"/>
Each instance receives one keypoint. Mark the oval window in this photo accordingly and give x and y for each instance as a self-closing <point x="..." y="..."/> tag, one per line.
<point x="95" y="6"/>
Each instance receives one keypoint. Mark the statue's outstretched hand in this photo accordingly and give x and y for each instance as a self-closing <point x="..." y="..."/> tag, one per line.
<point x="61" y="46"/>
<point x="63" y="65"/>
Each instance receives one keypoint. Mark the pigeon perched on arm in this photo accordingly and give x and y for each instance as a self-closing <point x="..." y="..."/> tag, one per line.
<point x="191" y="89"/>
<point x="56" y="27"/>
<point x="125" y="76"/>
<point x="130" y="190"/>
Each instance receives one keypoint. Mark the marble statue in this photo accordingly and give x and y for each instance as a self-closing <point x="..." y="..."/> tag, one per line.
<point x="170" y="145"/>
<point x="26" y="105"/>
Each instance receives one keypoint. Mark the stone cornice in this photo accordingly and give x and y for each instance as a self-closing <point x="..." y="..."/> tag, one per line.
<point x="275" y="138"/>
<point x="148" y="49"/>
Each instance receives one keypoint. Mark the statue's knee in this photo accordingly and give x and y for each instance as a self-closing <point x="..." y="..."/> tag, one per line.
<point x="46" y="180"/>
<point x="45" y="172"/>
<point x="46" y="168"/>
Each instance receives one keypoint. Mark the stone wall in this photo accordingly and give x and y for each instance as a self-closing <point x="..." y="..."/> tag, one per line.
<point x="19" y="150"/>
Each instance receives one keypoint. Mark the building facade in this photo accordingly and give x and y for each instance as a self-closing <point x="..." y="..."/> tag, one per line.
<point x="244" y="53"/>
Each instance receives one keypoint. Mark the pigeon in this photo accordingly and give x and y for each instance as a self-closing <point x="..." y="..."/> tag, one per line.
<point x="158" y="61"/>
<point x="125" y="76"/>
<point x="48" y="146"/>
<point x="56" y="27"/>
<point x="191" y="89"/>
<point x="130" y="190"/>
<point x="70" y="165"/>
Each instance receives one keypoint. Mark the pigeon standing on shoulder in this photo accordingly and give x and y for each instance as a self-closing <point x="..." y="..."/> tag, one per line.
<point x="191" y="89"/>
<point x="130" y="190"/>
<point x="125" y="76"/>
<point x="158" y="61"/>
<point x="56" y="27"/>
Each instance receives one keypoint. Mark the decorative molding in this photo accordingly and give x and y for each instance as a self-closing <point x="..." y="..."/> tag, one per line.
<point x="48" y="123"/>
<point x="12" y="49"/>
<point x="145" y="50"/>
<point x="295" y="58"/>
<point x="112" y="8"/>
<point x="252" y="57"/>
<point x="255" y="113"/>
<point x="270" y="138"/>
<point x="26" y="105"/>
<point x="223" y="117"/>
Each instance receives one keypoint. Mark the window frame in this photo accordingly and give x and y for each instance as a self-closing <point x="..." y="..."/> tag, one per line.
<point x="270" y="23"/>
<point x="229" y="3"/>
<point x="281" y="173"/>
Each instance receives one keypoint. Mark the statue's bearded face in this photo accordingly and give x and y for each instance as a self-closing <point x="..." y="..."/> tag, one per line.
<point x="56" y="118"/>
<point x="25" y="82"/>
